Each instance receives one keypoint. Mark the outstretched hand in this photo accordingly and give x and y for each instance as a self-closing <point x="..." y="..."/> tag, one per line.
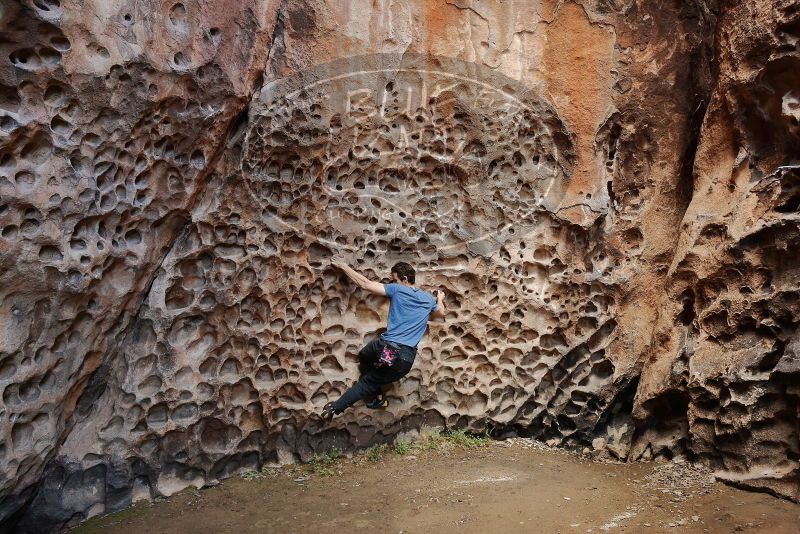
<point x="439" y="311"/>
<point x="338" y="262"/>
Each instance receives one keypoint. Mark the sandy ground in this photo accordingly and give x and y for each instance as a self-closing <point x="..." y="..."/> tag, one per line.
<point x="502" y="488"/>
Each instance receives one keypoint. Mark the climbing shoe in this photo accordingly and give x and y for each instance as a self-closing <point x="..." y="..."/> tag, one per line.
<point x="328" y="412"/>
<point x="378" y="403"/>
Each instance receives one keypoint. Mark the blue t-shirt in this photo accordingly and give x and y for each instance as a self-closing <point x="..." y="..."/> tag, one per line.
<point x="408" y="314"/>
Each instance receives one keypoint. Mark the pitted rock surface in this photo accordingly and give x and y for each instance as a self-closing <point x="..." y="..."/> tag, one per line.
<point x="610" y="210"/>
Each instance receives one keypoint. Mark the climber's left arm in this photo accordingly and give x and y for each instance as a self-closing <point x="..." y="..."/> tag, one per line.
<point x="439" y="311"/>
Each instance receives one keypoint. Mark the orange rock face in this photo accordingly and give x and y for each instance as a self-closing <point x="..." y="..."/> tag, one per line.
<point x="606" y="193"/>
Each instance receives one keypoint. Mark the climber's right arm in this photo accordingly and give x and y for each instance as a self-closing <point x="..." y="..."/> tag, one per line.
<point x="362" y="281"/>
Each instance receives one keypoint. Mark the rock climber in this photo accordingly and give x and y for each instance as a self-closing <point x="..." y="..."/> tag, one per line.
<point x="390" y="357"/>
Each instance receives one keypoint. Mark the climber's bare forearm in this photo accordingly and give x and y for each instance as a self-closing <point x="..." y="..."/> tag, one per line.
<point x="440" y="310"/>
<point x="354" y="275"/>
<point x="360" y="280"/>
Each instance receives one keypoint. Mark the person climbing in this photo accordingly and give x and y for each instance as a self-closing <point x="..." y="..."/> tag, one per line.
<point x="390" y="357"/>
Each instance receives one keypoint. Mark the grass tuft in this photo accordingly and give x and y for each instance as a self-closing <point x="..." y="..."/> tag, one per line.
<point x="430" y="439"/>
<point x="377" y="452"/>
<point x="323" y="464"/>
<point x="252" y="475"/>
<point x="403" y="447"/>
<point x="435" y="440"/>
<point x="468" y="441"/>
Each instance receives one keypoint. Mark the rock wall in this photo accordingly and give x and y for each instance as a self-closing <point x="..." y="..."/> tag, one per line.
<point x="604" y="190"/>
<point x="721" y="379"/>
<point x="112" y="113"/>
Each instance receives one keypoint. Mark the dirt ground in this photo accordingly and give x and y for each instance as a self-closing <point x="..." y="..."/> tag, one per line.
<point x="505" y="487"/>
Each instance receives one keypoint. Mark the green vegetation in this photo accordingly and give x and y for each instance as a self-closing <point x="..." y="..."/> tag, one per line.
<point x="323" y="464"/>
<point x="377" y="452"/>
<point x="430" y="439"/>
<point x="468" y="441"/>
<point x="252" y="475"/>
<point x="434" y="440"/>
<point x="403" y="446"/>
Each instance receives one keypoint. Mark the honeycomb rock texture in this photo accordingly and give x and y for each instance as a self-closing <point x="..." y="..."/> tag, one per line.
<point x="607" y="193"/>
<point x="722" y="379"/>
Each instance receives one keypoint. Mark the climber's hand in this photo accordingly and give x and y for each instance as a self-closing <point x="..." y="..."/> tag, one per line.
<point x="439" y="312"/>
<point x="338" y="262"/>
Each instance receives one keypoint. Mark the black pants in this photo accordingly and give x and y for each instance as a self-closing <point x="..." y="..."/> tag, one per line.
<point x="375" y="373"/>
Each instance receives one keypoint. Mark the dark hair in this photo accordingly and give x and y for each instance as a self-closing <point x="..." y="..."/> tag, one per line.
<point x="404" y="271"/>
